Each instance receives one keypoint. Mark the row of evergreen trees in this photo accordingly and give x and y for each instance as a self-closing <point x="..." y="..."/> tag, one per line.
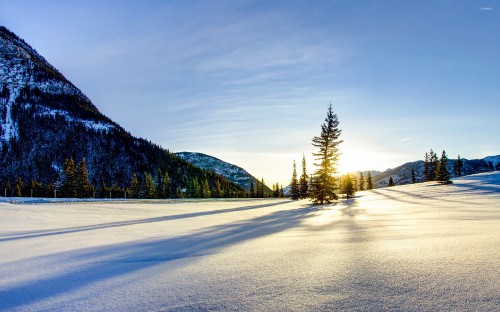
<point x="75" y="184"/>
<point x="299" y="187"/>
<point x="436" y="169"/>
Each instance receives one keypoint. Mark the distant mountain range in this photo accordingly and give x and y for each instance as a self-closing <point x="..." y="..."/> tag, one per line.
<point x="402" y="174"/>
<point x="45" y="119"/>
<point x="232" y="172"/>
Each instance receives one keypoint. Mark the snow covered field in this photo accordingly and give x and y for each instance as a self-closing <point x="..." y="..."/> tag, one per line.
<point x="416" y="247"/>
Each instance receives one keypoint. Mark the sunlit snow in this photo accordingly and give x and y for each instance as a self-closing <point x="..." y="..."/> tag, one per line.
<point x="415" y="247"/>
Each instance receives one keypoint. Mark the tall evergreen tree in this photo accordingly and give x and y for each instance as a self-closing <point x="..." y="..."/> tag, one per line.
<point x="303" y="182"/>
<point x="282" y="191"/>
<point x="413" y="176"/>
<point x="391" y="181"/>
<point x="361" y="181"/>
<point x="294" y="184"/>
<point x="458" y="167"/>
<point x="442" y="173"/>
<point x="369" y="181"/>
<point x="324" y="184"/>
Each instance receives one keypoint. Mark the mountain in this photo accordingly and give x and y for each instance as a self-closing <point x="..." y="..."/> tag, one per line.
<point x="45" y="119"/>
<point x="402" y="174"/>
<point x="232" y="172"/>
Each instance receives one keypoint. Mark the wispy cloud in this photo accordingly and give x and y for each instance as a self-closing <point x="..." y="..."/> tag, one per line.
<point x="411" y="138"/>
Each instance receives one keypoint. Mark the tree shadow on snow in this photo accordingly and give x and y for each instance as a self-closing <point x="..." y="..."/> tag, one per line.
<point x="76" y="229"/>
<point x="77" y="269"/>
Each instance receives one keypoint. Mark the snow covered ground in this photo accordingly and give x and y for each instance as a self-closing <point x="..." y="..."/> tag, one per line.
<point x="415" y="247"/>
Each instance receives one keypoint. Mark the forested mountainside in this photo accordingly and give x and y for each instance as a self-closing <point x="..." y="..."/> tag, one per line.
<point x="45" y="119"/>
<point x="234" y="173"/>
<point x="402" y="174"/>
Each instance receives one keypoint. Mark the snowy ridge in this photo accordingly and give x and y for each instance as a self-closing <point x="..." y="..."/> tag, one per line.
<point x="494" y="161"/>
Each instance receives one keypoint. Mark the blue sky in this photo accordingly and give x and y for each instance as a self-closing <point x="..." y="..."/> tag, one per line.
<point x="250" y="81"/>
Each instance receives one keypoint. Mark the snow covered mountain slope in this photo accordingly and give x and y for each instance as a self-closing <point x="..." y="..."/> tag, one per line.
<point x="232" y="172"/>
<point x="402" y="174"/>
<point x="45" y="119"/>
<point x="435" y="247"/>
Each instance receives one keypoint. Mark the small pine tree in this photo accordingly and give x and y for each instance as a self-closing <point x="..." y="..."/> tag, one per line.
<point x="303" y="183"/>
<point x="391" y="181"/>
<point x="442" y="173"/>
<point x="458" y="167"/>
<point x="369" y="182"/>
<point x="348" y="186"/>
<point x="205" y="189"/>
<point x="160" y="186"/>
<point x="252" y="189"/>
<point x="70" y="183"/>
<point x="433" y="165"/>
<point x="413" y="176"/>
<point x="19" y="187"/>
<point x="134" y="187"/>
<point x="149" y="189"/>
<point x="84" y="189"/>
<point x="166" y="186"/>
<point x="426" y="166"/>
<point x="361" y="182"/>
<point x="261" y="189"/>
<point x="282" y="191"/>
<point x="294" y="185"/>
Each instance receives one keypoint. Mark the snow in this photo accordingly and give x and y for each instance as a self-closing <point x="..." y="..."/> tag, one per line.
<point x="494" y="161"/>
<point x="419" y="247"/>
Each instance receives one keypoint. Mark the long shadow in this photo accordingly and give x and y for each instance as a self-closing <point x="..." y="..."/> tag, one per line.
<point x="42" y="233"/>
<point x="82" y="268"/>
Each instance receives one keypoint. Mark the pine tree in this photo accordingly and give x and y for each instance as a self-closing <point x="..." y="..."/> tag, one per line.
<point x="361" y="182"/>
<point x="252" y="189"/>
<point x="83" y="187"/>
<point x="19" y="187"/>
<point x="217" y="191"/>
<point x="413" y="176"/>
<point x="262" y="188"/>
<point x="166" y="186"/>
<point x="149" y="189"/>
<point x="294" y="185"/>
<point x="70" y="183"/>
<point x="426" y="167"/>
<point x="369" y="182"/>
<point x="134" y="187"/>
<point x="347" y="186"/>
<point x="458" y="167"/>
<point x="442" y="173"/>
<point x="304" y="185"/>
<point x="391" y="181"/>
<point x="282" y="192"/>
<point x="324" y="185"/>
<point x="160" y="187"/>
<point x="206" y="189"/>
<point x="433" y="165"/>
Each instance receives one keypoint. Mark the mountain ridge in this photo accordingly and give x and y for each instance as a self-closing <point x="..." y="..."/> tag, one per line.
<point x="45" y="119"/>
<point x="233" y="172"/>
